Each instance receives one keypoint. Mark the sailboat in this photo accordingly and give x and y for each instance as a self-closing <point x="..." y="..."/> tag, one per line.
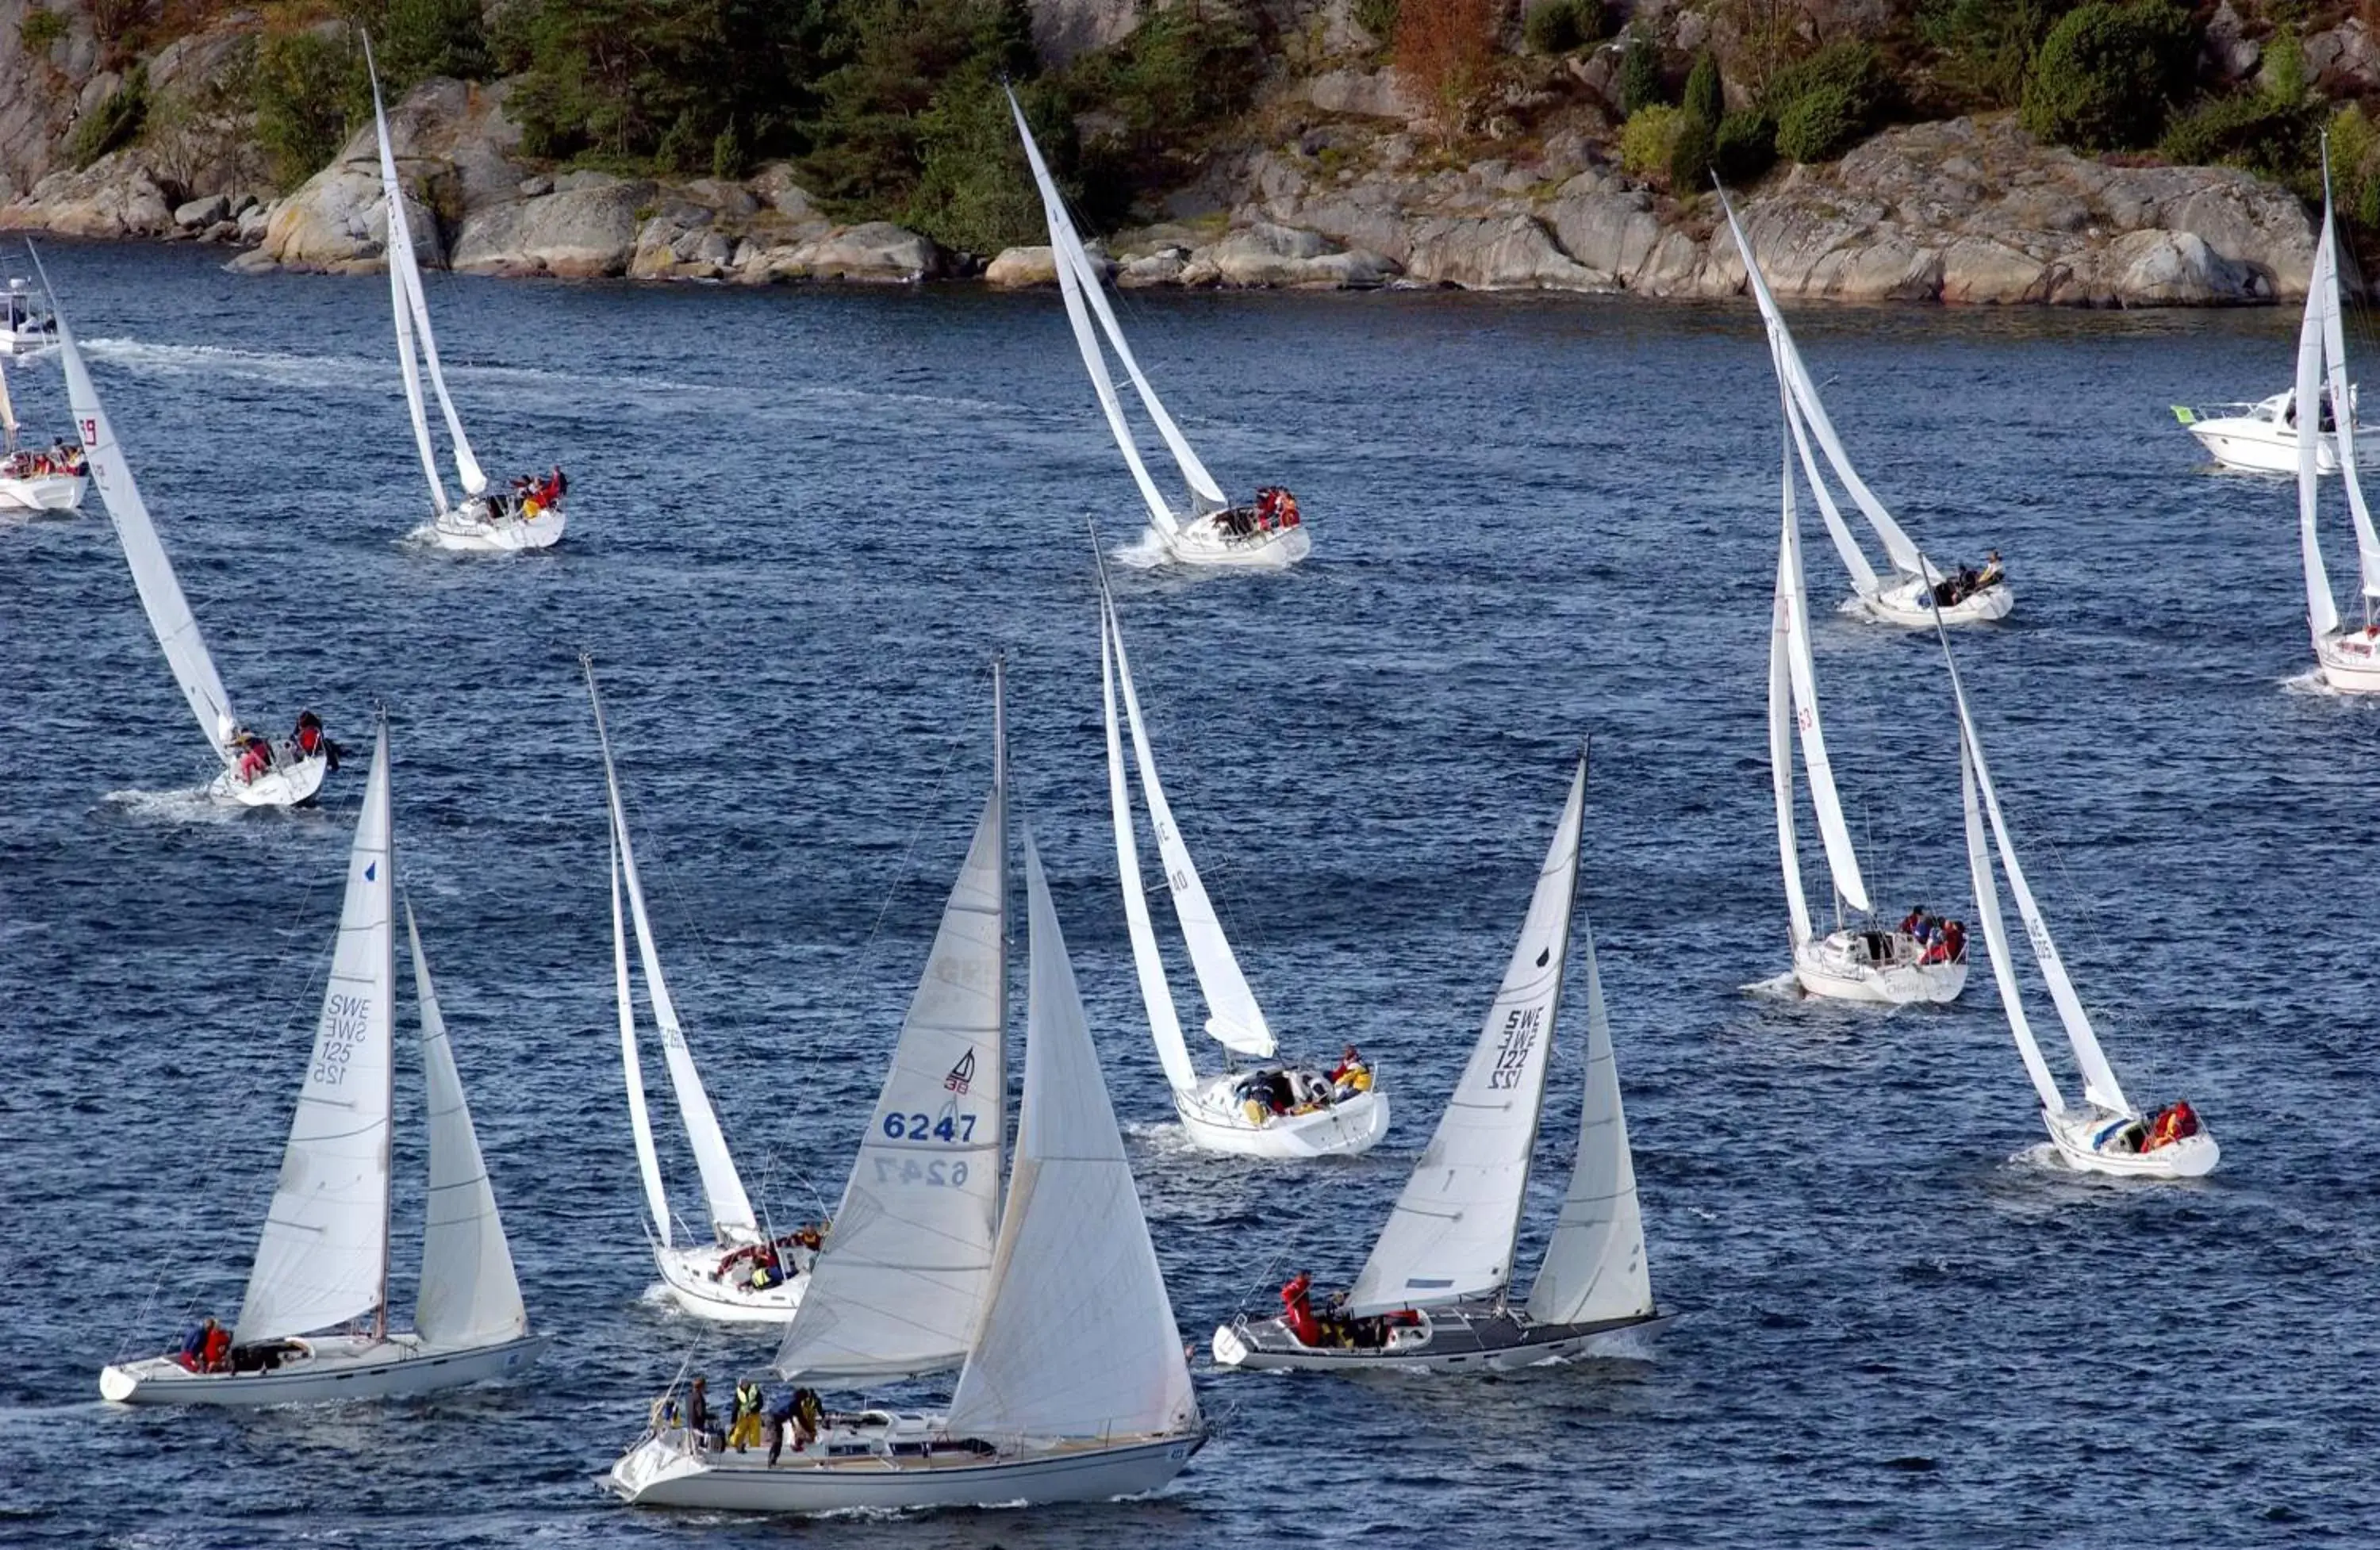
<point x="739" y="1274"/>
<point x="37" y="478"/>
<point x="2104" y="1133"/>
<point x="483" y="522"/>
<point x="257" y="771"/>
<point x="1273" y="1108"/>
<point x="323" y="1262"/>
<point x="1867" y="963"/>
<point x="1434" y="1293"/>
<point x="1915" y="590"/>
<point x="902" y="1280"/>
<point x="2347" y="659"/>
<point x="1269" y="533"/>
<point x="1075" y="1387"/>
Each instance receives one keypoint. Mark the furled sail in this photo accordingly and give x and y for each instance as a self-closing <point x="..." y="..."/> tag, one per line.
<point x="323" y="1259"/>
<point x="902" y="1282"/>
<point x="1164" y="1022"/>
<point x="469" y="1294"/>
<point x="1078" y="1337"/>
<point x="153" y="574"/>
<point x="1793" y="626"/>
<point x="1451" y="1234"/>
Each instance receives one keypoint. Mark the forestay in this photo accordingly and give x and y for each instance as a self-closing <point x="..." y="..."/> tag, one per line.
<point x="1793" y="670"/>
<point x="325" y="1255"/>
<point x="1078" y="1338"/>
<point x="903" y="1279"/>
<point x="470" y="1295"/>
<point x="1595" y="1266"/>
<point x="1164" y="1022"/>
<point x="1450" y="1235"/>
<point x="1234" y="1020"/>
<point x="153" y="574"/>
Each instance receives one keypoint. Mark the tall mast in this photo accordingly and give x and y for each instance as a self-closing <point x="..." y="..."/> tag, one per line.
<point x="1000" y="789"/>
<point x="388" y="979"/>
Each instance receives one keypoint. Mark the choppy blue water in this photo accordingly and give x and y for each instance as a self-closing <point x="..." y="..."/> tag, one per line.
<point x="801" y="519"/>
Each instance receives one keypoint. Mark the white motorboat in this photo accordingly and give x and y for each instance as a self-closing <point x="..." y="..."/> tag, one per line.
<point x="2347" y="656"/>
<point x="2104" y="1133"/>
<point x="325" y="1258"/>
<point x="1917" y="593"/>
<point x="1868" y="963"/>
<point x="257" y="771"/>
<point x="902" y="1280"/>
<point x="740" y="1274"/>
<point x="1074" y="1387"/>
<point x="1272" y="1109"/>
<point x="1268" y="534"/>
<point x="484" y="521"/>
<point x="2261" y="438"/>
<point x="36" y="479"/>
<point x="1434" y="1293"/>
<point x="27" y="322"/>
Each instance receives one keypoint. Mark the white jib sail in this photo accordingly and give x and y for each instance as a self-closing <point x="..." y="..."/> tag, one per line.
<point x="1863" y="580"/>
<point x="8" y="417"/>
<point x="722" y="1189"/>
<point x="161" y="595"/>
<point x="1451" y="1234"/>
<point x="907" y="1265"/>
<point x="1794" y="377"/>
<point x="1164" y="1023"/>
<point x="1781" y="772"/>
<point x="2322" y="609"/>
<point x="2333" y="338"/>
<point x="632" y="1068"/>
<point x="1595" y="1267"/>
<point x="1996" y="939"/>
<point x="1078" y="1337"/>
<point x="323" y="1259"/>
<point x="1234" y="1020"/>
<point x="1793" y="618"/>
<point x="470" y="1295"/>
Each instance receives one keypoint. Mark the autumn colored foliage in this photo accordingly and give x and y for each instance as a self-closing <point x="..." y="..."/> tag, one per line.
<point x="1447" y="49"/>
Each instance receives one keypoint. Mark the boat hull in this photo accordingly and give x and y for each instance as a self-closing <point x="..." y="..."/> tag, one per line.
<point x="290" y="785"/>
<point x="691" y="1277"/>
<point x="1462" y="1339"/>
<point x="1838" y="968"/>
<point x="1904" y="603"/>
<point x="668" y="1469"/>
<point x="2350" y="660"/>
<point x="338" y="1369"/>
<point x="49" y="493"/>
<point x="1214" y="1122"/>
<point x="505" y="536"/>
<point x="2087" y="1142"/>
<point x="2261" y="447"/>
<point x="1206" y="542"/>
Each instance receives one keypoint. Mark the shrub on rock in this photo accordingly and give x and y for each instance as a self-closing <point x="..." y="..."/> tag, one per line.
<point x="2107" y="76"/>
<point x="1745" y="145"/>
<point x="1649" y="138"/>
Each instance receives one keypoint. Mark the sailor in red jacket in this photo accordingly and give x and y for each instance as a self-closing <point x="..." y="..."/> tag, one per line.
<point x="1297" y="1310"/>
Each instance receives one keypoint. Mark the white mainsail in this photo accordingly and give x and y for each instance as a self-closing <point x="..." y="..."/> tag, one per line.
<point x="1995" y="937"/>
<point x="723" y="1188"/>
<point x="1164" y="1022"/>
<point x="1595" y="1266"/>
<point x="2322" y="365"/>
<point x="1450" y="1235"/>
<point x="1078" y="1338"/>
<point x="161" y="595"/>
<point x="1793" y="695"/>
<point x="323" y="1259"/>
<point x="8" y="417"/>
<point x="412" y="308"/>
<point x="1080" y="282"/>
<point x="1234" y="1020"/>
<point x="1802" y="394"/>
<point x="469" y="1294"/>
<point x="632" y="1067"/>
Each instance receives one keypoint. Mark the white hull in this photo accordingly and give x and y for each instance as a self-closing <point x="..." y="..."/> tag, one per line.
<point x="1447" y="1339"/>
<point x="865" y="1474"/>
<point x="1839" y="968"/>
<point x="2261" y="447"/>
<point x="14" y="342"/>
<point x="287" y="786"/>
<point x="2088" y="1141"/>
<point x="1216" y="1123"/>
<point x="2350" y="660"/>
<point x="1206" y="542"/>
<point x="337" y="1367"/>
<point x="1904" y="603"/>
<point x="47" y="493"/>
<point x="691" y="1277"/>
<point x="510" y="534"/>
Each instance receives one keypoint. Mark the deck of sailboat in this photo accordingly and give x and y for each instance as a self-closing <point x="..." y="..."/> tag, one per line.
<point x="1477" y="1334"/>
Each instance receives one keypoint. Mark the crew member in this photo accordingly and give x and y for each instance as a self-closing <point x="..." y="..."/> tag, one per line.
<point x="1297" y="1309"/>
<point x="745" y="1429"/>
<point x="1351" y="1074"/>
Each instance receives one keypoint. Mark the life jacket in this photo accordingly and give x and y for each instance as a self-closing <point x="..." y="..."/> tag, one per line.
<point x="1297" y="1311"/>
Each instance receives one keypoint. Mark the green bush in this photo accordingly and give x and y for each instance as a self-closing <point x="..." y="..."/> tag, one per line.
<point x="974" y="192"/>
<point x="1983" y="47"/>
<point x="1705" y="97"/>
<point x="1648" y="139"/>
<point x="1691" y="156"/>
<point x="1184" y="72"/>
<point x="2249" y="129"/>
<point x="413" y="39"/>
<point x="868" y="149"/>
<point x="682" y="146"/>
<point x="1855" y="70"/>
<point x="2283" y="79"/>
<point x="2107" y="76"/>
<point x="1553" y="27"/>
<point x="40" y="29"/>
<point x="1640" y="76"/>
<point x="2355" y="164"/>
<point x="309" y="90"/>
<point x="1820" y="126"/>
<point x="1376" y="16"/>
<point x="114" y="122"/>
<point x="1745" y="145"/>
<point x="727" y="160"/>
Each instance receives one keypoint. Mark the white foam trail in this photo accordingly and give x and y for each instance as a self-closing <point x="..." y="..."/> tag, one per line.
<point x="187" y="805"/>
<point x="1144" y="553"/>
<point x="1784" y="987"/>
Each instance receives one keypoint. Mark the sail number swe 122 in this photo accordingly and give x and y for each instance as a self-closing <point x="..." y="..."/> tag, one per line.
<point x="1512" y="1053"/>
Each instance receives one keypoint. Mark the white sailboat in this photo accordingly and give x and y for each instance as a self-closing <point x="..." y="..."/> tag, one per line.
<point x="36" y="479"/>
<point x="483" y="522"/>
<point x="2104" y="1134"/>
<point x="739" y="1274"/>
<point x="257" y="771"/>
<point x="1866" y="964"/>
<point x="1268" y="534"/>
<point x="2349" y="659"/>
<point x="1074" y="1387"/>
<point x="1271" y="1108"/>
<point x="1435" y="1293"/>
<point x="902" y="1283"/>
<point x="1916" y="590"/>
<point x="323" y="1262"/>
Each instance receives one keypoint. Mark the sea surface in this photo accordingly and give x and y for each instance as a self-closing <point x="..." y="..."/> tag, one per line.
<point x="801" y="522"/>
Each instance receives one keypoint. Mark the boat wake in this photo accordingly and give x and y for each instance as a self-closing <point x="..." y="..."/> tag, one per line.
<point x="1146" y="553"/>
<point x="187" y="804"/>
<point x="1784" y="987"/>
<point x="2311" y="682"/>
<point x="215" y="362"/>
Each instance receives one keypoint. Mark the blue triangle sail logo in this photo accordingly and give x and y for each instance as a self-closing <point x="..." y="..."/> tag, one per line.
<point x="371" y="871"/>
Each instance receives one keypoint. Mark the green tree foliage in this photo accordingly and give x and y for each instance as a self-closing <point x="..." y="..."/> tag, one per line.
<point x="2107" y="76"/>
<point x="973" y="192"/>
<point x="895" y="61"/>
<point x="1648" y="137"/>
<point x="2355" y="164"/>
<point x="1183" y="72"/>
<point x="117" y="118"/>
<point x="1378" y="16"/>
<point x="309" y="90"/>
<point x="1705" y="97"/>
<point x="1691" y="155"/>
<point x="1557" y="26"/>
<point x="1820" y="124"/>
<point x="1640" y="75"/>
<point x="413" y="39"/>
<point x="1983" y="48"/>
<point x="1744" y="147"/>
<point x="1824" y="104"/>
<point x="40" y="29"/>
<point x="2274" y="129"/>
